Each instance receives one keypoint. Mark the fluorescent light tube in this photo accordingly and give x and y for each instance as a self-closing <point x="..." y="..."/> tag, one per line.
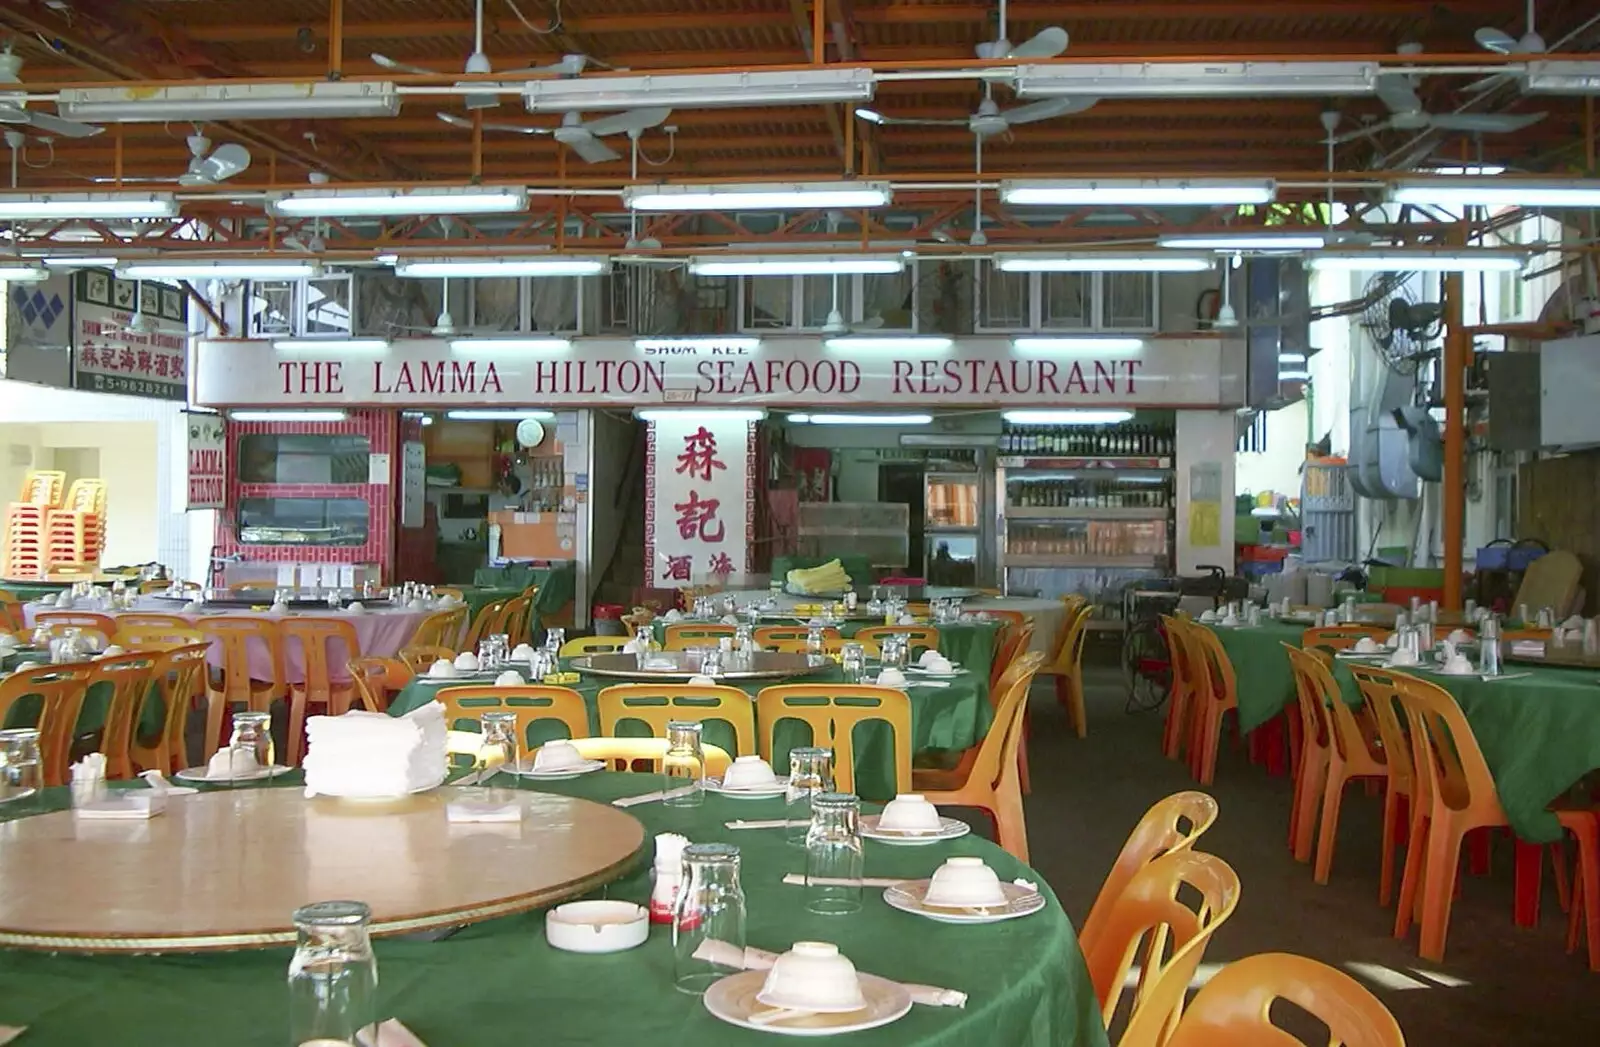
<point x="218" y="269"/>
<point x="23" y="206"/>
<point x="1104" y="262"/>
<point x="888" y="343"/>
<point x="423" y="200"/>
<point x="497" y="414"/>
<point x="1562" y="78"/>
<point x="866" y="419"/>
<point x="1294" y="376"/>
<point x="667" y="414"/>
<point x="796" y="265"/>
<point x="1086" y="417"/>
<point x="345" y="345"/>
<point x="286" y="416"/>
<point x="1196" y="79"/>
<point x="700" y="90"/>
<point x="1135" y="192"/>
<point x="1244" y="241"/>
<point x="756" y="197"/>
<point x="510" y="345"/>
<point x="1084" y="344"/>
<point x="80" y="262"/>
<point x="1423" y="261"/>
<point x="1291" y="358"/>
<point x="1451" y="191"/>
<point x="306" y="100"/>
<point x="740" y="343"/>
<point x="548" y="265"/>
<point x="12" y="272"/>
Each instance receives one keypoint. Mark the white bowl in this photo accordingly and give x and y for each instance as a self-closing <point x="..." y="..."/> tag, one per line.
<point x="509" y="678"/>
<point x="963" y="882"/>
<point x="1404" y="658"/>
<point x="443" y="669"/>
<point x="222" y="765"/>
<point x="939" y="664"/>
<point x="700" y="680"/>
<point x="278" y="608"/>
<point x="193" y="606"/>
<point x="813" y="976"/>
<point x="557" y="755"/>
<point x="891" y="678"/>
<point x="522" y="652"/>
<point x="418" y="604"/>
<point x="355" y="607"/>
<point x="910" y="812"/>
<point x="112" y="651"/>
<point x="748" y="772"/>
<point x="598" y="926"/>
<point x="1366" y="645"/>
<point x="467" y="660"/>
<point x="47" y="600"/>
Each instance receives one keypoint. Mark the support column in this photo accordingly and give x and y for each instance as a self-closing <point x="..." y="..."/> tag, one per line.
<point x="1457" y="355"/>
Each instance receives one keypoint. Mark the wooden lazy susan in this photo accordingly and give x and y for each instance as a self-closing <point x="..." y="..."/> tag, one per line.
<point x="224" y="870"/>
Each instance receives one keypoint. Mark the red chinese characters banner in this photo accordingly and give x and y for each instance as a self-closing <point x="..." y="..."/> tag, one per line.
<point x="699" y="510"/>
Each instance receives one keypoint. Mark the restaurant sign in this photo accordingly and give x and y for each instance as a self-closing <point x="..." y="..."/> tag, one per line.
<point x="699" y="513"/>
<point x="129" y="336"/>
<point x="974" y="372"/>
<point x="207" y="460"/>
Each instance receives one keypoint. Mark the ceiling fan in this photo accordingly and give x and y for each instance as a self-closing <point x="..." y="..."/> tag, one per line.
<point x="209" y="166"/>
<point x="14" y="110"/>
<point x="582" y="136"/>
<point x="990" y="119"/>
<point x="1046" y="43"/>
<point x="1503" y="43"/>
<point x="1398" y="92"/>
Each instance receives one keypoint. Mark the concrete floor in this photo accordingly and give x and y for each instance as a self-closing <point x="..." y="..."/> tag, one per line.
<point x="1498" y="985"/>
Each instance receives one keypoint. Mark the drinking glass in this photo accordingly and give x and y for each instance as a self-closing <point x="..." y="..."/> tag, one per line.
<point x="554" y="637"/>
<point x="814" y="641"/>
<point x="834" y="858"/>
<point x="251" y="740"/>
<point x="711" y="662"/>
<point x="710" y="908"/>
<point x="684" y="764"/>
<point x="333" y="976"/>
<point x="810" y="773"/>
<point x="892" y="654"/>
<point x="500" y="746"/>
<point x="1489" y="647"/>
<point x="853" y="660"/>
<point x="19" y="763"/>
<point x="644" y="639"/>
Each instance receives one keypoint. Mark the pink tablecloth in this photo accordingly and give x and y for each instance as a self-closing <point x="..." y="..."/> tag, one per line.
<point x="380" y="632"/>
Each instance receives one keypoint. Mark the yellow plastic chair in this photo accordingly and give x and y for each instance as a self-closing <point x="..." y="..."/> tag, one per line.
<point x="1217" y="692"/>
<point x="324" y="642"/>
<point x="1171" y="824"/>
<point x="235" y="634"/>
<point x="483" y="623"/>
<point x="581" y="645"/>
<point x="161" y="585"/>
<point x="11" y="617"/>
<point x="1148" y="925"/>
<point x="992" y="780"/>
<point x="1380" y="699"/>
<point x="656" y="704"/>
<point x="919" y="638"/>
<point x="419" y="658"/>
<point x="150" y="620"/>
<point x="833" y="711"/>
<point x="377" y="680"/>
<point x="156" y="637"/>
<point x="515" y="619"/>
<point x="1340" y="637"/>
<point x="683" y="635"/>
<point x="624" y="754"/>
<point x="448" y="590"/>
<point x="531" y="703"/>
<point x="179" y="675"/>
<point x="773" y="635"/>
<point x="129" y="676"/>
<point x="440" y="629"/>
<point x="1017" y="640"/>
<point x="1234" y="1008"/>
<point x="1067" y="664"/>
<point x="830" y="645"/>
<point x="102" y="626"/>
<point x="61" y="688"/>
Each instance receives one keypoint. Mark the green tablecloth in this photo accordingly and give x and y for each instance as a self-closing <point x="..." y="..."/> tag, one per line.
<point x="557" y="585"/>
<point x="969" y="644"/>
<point x="1266" y="683"/>
<point x="27" y="592"/>
<point x="498" y="983"/>
<point x="953" y="717"/>
<point x="478" y="597"/>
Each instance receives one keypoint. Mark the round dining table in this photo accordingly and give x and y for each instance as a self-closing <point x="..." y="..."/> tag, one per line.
<point x="499" y="982"/>
<point x="969" y="643"/>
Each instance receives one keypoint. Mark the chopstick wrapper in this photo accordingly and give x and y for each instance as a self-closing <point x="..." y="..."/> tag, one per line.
<point x="629" y="801"/>
<point x="11" y="1032"/>
<point x="769" y="823"/>
<point x="753" y="959"/>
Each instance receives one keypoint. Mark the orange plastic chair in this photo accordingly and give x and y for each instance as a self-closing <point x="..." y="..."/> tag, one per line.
<point x="1217" y="692"/>
<point x="235" y="634"/>
<point x="11" y="617"/>
<point x="1148" y="924"/>
<point x="581" y="645"/>
<point x="377" y="680"/>
<point x="1380" y="697"/>
<point x="830" y="645"/>
<point x="1313" y="739"/>
<point x="129" y="676"/>
<point x="448" y="590"/>
<point x="483" y="623"/>
<point x="146" y="619"/>
<point x="440" y="629"/>
<point x="1460" y="796"/>
<point x="625" y="754"/>
<point x="832" y="711"/>
<point x="773" y="635"/>
<point x="656" y="704"/>
<point x="155" y="637"/>
<point x="1234" y="1008"/>
<point x="1171" y="824"/>
<point x="516" y="618"/>
<point x="531" y="703"/>
<point x="179" y="675"/>
<point x="1015" y="618"/>
<point x="990" y="779"/>
<point x="419" y="658"/>
<point x="102" y="625"/>
<point x="324" y="642"/>
<point x="681" y="636"/>
<point x="1184" y="695"/>
<point x="1340" y="637"/>
<point x="1510" y="635"/>
<point x="161" y="585"/>
<point x="919" y="638"/>
<point x="1067" y="665"/>
<point x="1352" y="751"/>
<point x="61" y="687"/>
<point x="1017" y="640"/>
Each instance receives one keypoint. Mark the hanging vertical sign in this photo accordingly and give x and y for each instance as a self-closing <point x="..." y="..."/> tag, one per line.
<point x="699" y="512"/>
<point x="208" y="456"/>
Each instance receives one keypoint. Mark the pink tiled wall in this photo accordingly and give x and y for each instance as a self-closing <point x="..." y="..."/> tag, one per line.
<point x="381" y="428"/>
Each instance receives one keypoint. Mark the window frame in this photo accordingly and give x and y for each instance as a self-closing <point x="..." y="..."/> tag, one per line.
<point x="1035" y="322"/>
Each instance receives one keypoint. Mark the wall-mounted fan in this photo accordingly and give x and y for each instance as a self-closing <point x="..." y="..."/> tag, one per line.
<point x="14" y="110"/>
<point x="1402" y="329"/>
<point x="582" y="136"/>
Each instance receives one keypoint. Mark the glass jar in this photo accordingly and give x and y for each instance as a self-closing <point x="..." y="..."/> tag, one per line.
<point x="853" y="660"/>
<point x="1489" y="647"/>
<point x="834" y="858"/>
<point x="708" y="919"/>
<point x="19" y="763"/>
<point x="893" y="652"/>
<point x="644" y="639"/>
<point x="810" y="773"/>
<point x="333" y="976"/>
<point x="250" y="747"/>
<point x="711" y="661"/>
<point x="500" y="746"/>
<point x="684" y="764"/>
<point x="554" y="637"/>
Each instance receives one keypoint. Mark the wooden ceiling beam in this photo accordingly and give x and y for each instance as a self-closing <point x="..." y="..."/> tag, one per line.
<point x="507" y="27"/>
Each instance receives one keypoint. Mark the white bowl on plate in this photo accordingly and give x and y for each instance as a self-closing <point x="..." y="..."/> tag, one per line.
<point x="910" y="812"/>
<point x="467" y="661"/>
<point x="964" y="882"/>
<point x="443" y="669"/>
<point x="112" y="651"/>
<point x="891" y="678"/>
<point x="1366" y="645"/>
<point x="558" y="755"/>
<point x="813" y="976"/>
<point x="597" y="926"/>
<point x="748" y="772"/>
<point x="522" y="652"/>
<point x="509" y="678"/>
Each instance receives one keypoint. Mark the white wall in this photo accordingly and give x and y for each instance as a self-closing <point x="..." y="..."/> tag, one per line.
<point x="1206" y="439"/>
<point x="1278" y="467"/>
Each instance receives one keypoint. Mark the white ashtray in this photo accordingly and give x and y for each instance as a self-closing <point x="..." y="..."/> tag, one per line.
<point x="598" y="926"/>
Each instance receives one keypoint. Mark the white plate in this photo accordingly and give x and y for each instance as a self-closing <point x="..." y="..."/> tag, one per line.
<point x="930" y="674"/>
<point x="198" y="774"/>
<point x="763" y="792"/>
<point x="585" y="767"/>
<point x="907" y="897"/>
<point x="1441" y="671"/>
<point x="733" y="999"/>
<point x="949" y="829"/>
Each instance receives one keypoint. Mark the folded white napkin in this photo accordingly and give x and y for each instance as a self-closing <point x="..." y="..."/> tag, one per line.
<point x="630" y="801"/>
<point x="753" y="959"/>
<point x="11" y="1032"/>
<point x="657" y="664"/>
<point x="161" y="787"/>
<point x="929" y="683"/>
<point x="368" y="754"/>
<point x="1534" y="648"/>
<point x="135" y="806"/>
<point x="483" y="811"/>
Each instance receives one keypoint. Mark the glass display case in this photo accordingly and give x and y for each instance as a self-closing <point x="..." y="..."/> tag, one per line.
<point x="303" y="521"/>
<point x="303" y="458"/>
<point x="878" y="530"/>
